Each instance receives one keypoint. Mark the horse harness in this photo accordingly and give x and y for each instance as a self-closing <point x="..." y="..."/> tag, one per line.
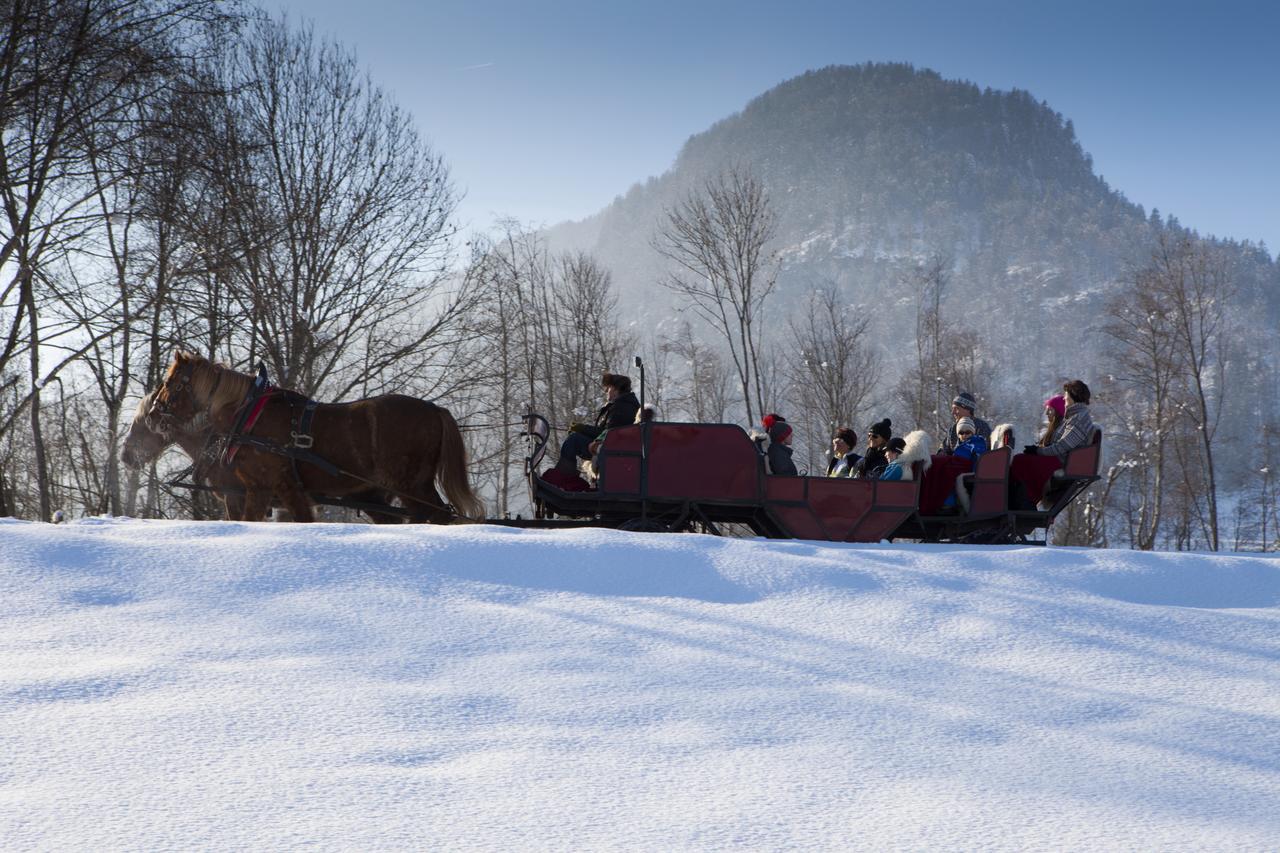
<point x="299" y="448"/>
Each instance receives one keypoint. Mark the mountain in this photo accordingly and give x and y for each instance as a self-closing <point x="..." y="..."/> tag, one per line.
<point x="469" y="687"/>
<point x="875" y="168"/>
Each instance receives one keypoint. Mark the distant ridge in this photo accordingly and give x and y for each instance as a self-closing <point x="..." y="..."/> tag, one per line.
<point x="875" y="167"/>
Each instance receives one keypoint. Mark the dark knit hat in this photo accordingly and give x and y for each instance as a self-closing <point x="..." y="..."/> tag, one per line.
<point x="897" y="444"/>
<point x="883" y="429"/>
<point x="965" y="400"/>
<point x="848" y="436"/>
<point x="770" y="419"/>
<point x="780" y="430"/>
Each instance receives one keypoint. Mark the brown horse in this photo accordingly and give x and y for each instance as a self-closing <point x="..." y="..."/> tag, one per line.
<point x="149" y="436"/>
<point x="390" y="444"/>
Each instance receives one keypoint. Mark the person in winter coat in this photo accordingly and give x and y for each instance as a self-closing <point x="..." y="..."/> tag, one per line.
<point x="620" y="409"/>
<point x="873" y="463"/>
<point x="779" y="452"/>
<point x="971" y="447"/>
<point x="770" y="419"/>
<point x="1038" y="465"/>
<point x="963" y="406"/>
<point x="1076" y="427"/>
<point x="843" y="460"/>
<point x="971" y="444"/>
<point x="903" y="453"/>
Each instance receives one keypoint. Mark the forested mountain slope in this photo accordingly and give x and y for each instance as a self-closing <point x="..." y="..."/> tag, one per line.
<point x="876" y="168"/>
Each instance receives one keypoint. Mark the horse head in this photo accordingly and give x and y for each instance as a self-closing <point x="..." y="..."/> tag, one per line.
<point x="147" y="437"/>
<point x="175" y="402"/>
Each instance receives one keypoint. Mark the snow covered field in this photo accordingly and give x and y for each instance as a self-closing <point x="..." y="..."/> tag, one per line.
<point x="169" y="685"/>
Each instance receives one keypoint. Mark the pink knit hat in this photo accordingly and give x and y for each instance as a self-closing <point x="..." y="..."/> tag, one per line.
<point x="1059" y="405"/>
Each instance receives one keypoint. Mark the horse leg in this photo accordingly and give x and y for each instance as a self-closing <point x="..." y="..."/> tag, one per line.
<point x="255" y="505"/>
<point x="430" y="509"/>
<point x="375" y="497"/>
<point x="297" y="502"/>
<point x="234" y="506"/>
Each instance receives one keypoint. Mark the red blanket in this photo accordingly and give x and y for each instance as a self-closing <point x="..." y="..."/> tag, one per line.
<point x="940" y="481"/>
<point x="1034" y="472"/>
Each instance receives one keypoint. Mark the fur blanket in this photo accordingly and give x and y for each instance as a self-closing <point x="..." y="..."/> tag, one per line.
<point x="916" y="450"/>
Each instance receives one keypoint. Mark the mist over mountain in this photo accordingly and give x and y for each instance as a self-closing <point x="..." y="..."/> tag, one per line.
<point x="875" y="168"/>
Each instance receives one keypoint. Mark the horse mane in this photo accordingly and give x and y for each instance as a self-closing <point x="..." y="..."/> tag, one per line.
<point x="217" y="384"/>
<point x="144" y="405"/>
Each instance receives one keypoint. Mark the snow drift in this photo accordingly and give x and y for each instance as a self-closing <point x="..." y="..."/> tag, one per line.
<point x="170" y="684"/>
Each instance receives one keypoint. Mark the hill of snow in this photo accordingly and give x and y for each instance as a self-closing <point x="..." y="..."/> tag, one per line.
<point x="177" y="684"/>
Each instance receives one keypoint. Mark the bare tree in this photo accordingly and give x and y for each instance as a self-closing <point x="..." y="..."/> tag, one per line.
<point x="341" y="215"/>
<point x="1193" y="282"/>
<point x="923" y="392"/>
<point x="949" y="358"/>
<point x="1141" y="353"/>
<point x="719" y="240"/>
<point x="706" y="392"/>
<point x="73" y="78"/>
<point x="833" y="369"/>
<point x="547" y="328"/>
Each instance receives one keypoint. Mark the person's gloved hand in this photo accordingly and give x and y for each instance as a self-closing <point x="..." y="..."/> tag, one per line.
<point x="1031" y="450"/>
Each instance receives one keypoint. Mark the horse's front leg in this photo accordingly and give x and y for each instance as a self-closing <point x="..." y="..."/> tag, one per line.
<point x="255" y="505"/>
<point x="233" y="506"/>
<point x="296" y="502"/>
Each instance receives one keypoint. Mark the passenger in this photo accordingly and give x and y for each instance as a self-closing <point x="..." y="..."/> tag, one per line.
<point x="971" y="447"/>
<point x="1054" y="410"/>
<point x="903" y="453"/>
<point x="644" y="415"/>
<point x="872" y="465"/>
<point x="963" y="406"/>
<point x="843" y="460"/>
<point x="1076" y="427"/>
<point x="620" y="409"/>
<point x="893" y="452"/>
<point x="779" y="452"/>
<point x="1075" y="430"/>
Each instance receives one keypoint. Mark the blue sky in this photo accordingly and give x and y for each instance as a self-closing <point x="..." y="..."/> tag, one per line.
<point x="547" y="110"/>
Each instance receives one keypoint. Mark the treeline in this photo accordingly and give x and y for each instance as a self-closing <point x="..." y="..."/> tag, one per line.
<point x="190" y="173"/>
<point x="198" y="175"/>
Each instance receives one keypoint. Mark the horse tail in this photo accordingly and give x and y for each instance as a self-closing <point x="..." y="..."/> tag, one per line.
<point x="452" y="473"/>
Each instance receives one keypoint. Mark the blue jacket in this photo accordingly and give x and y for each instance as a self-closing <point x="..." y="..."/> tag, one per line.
<point x="892" y="471"/>
<point x="971" y="448"/>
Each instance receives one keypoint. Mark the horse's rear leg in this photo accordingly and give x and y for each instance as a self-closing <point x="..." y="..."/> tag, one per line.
<point x="374" y="497"/>
<point x="431" y="508"/>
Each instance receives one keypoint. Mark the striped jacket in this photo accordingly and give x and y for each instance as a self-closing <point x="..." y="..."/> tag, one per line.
<point x="1074" y="431"/>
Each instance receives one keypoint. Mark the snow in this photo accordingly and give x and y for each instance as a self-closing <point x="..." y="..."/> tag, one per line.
<point x="178" y="684"/>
